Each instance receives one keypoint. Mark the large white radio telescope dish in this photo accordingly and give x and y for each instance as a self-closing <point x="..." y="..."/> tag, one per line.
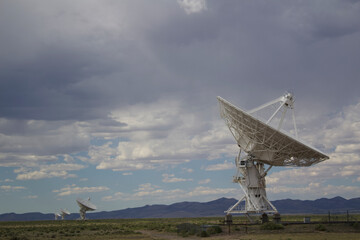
<point x="85" y="205"/>
<point x="263" y="144"/>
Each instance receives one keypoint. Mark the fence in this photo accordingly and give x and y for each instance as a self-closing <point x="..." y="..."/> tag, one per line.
<point x="303" y="218"/>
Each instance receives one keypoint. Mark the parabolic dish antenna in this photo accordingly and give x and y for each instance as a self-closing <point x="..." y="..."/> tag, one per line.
<point x="85" y="205"/>
<point x="64" y="212"/>
<point x="57" y="215"/>
<point x="263" y="144"/>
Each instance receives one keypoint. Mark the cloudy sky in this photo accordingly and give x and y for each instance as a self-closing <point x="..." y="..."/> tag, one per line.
<point x="116" y="100"/>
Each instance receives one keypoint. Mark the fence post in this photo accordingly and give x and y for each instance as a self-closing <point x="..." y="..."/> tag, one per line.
<point x="228" y="221"/>
<point x="329" y="216"/>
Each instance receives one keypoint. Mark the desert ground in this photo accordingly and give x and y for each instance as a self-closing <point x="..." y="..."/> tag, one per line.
<point x="181" y="228"/>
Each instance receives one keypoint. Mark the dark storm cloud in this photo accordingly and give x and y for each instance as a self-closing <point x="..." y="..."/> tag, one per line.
<point x="57" y="65"/>
<point x="73" y="72"/>
<point x="70" y="64"/>
<point x="26" y="137"/>
<point x="262" y="47"/>
<point x="42" y="87"/>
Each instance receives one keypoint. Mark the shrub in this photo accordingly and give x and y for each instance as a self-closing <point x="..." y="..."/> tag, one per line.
<point x="355" y="225"/>
<point x="271" y="226"/>
<point x="188" y="229"/>
<point x="320" y="227"/>
<point x="204" y="234"/>
<point x="19" y="238"/>
<point x="214" y="230"/>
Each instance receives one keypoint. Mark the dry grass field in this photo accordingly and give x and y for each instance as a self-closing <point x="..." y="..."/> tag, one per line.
<point x="175" y="228"/>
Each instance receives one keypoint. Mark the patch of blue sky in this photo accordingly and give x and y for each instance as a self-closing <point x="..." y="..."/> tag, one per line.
<point x="7" y="173"/>
<point x="99" y="141"/>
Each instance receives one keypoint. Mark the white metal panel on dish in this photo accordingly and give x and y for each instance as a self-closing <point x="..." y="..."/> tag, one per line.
<point x="265" y="143"/>
<point x="85" y="204"/>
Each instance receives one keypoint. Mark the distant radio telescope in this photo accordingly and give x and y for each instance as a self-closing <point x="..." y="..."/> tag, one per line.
<point x="262" y="145"/>
<point x="85" y="205"/>
<point x="64" y="212"/>
<point x="57" y="215"/>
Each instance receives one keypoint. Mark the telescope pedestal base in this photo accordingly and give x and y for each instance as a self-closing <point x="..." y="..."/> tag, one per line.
<point x="251" y="178"/>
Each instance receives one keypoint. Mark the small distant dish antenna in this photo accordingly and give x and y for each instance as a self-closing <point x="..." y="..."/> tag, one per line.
<point x="85" y="205"/>
<point x="261" y="144"/>
<point x="57" y="215"/>
<point x="64" y="212"/>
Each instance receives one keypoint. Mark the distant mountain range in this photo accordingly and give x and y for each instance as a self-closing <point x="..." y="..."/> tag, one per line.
<point x="196" y="209"/>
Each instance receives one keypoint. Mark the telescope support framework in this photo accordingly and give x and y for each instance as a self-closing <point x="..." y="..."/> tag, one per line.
<point x="251" y="178"/>
<point x="263" y="144"/>
<point x="82" y="213"/>
<point x="251" y="173"/>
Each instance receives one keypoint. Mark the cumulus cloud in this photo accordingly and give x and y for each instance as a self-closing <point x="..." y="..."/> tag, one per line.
<point x="34" y="175"/>
<point x="204" y="181"/>
<point x="220" y="166"/>
<point x="343" y="131"/>
<point x="160" y="134"/>
<point x="348" y="148"/>
<point x="7" y="180"/>
<point x="73" y="189"/>
<point x="146" y="187"/>
<point x="48" y="171"/>
<point x="39" y="137"/>
<point x="18" y="160"/>
<point x="11" y="188"/>
<point x="203" y="191"/>
<point x="157" y="194"/>
<point x="31" y="143"/>
<point x="188" y="170"/>
<point x="341" y="136"/>
<point x="31" y="197"/>
<point x="170" y="178"/>
<point x="192" y="6"/>
<point x="116" y="196"/>
<point x="314" y="191"/>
